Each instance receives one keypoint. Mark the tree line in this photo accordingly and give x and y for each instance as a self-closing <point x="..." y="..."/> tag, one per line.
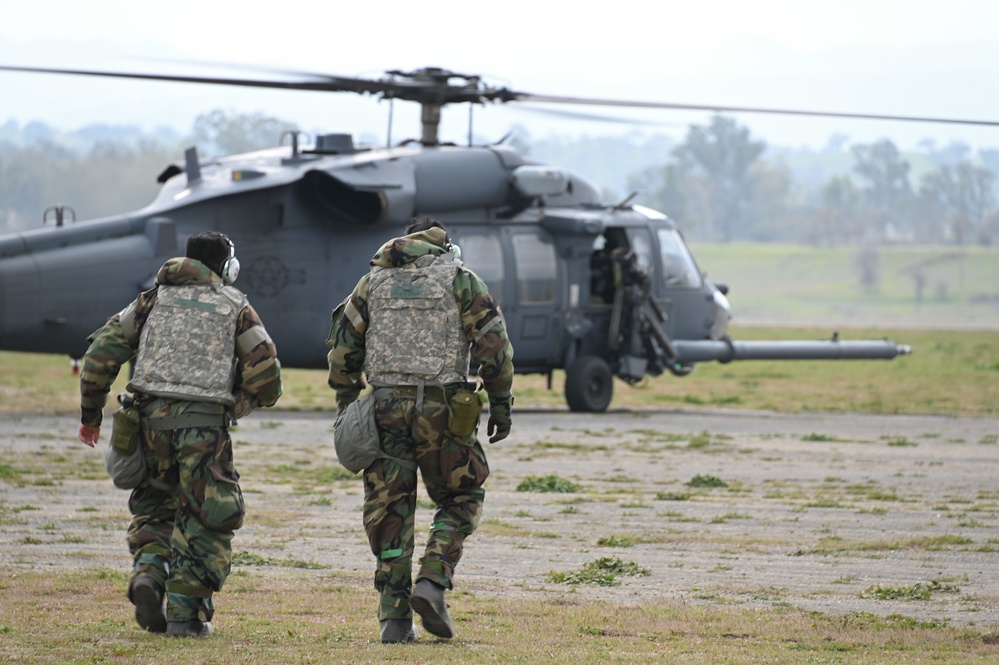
<point x="719" y="183"/>
<point x="99" y="170"/>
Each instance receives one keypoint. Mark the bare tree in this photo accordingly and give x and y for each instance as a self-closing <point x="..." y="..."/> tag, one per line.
<point x="885" y="186"/>
<point x="221" y="132"/>
<point x="723" y="154"/>
<point x="965" y="193"/>
<point x="839" y="216"/>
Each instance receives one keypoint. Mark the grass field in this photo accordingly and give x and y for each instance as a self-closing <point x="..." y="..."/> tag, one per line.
<point x="277" y="613"/>
<point x="794" y="285"/>
<point x="290" y="618"/>
<point x="949" y="373"/>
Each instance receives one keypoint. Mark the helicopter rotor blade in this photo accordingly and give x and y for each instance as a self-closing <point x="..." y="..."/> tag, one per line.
<point x="589" y="101"/>
<point x="327" y="84"/>
<point x="404" y="85"/>
<point x="433" y="86"/>
<point x="592" y="117"/>
<point x="430" y="85"/>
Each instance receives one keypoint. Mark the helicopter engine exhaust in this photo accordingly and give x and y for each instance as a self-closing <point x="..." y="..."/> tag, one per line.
<point x="341" y="201"/>
<point x="392" y="191"/>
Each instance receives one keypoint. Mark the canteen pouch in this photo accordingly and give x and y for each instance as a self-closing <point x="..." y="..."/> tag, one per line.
<point x="125" y="430"/>
<point x="466" y="409"/>
<point x="355" y="435"/>
<point x="125" y="460"/>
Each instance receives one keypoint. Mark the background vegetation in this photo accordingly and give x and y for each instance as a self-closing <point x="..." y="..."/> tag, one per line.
<point x="720" y="183"/>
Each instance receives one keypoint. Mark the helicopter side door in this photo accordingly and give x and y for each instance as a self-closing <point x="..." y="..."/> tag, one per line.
<point x="520" y="267"/>
<point x="533" y="298"/>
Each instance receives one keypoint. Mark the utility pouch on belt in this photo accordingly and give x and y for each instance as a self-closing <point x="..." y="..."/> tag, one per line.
<point x="466" y="408"/>
<point x="355" y="435"/>
<point x="125" y="459"/>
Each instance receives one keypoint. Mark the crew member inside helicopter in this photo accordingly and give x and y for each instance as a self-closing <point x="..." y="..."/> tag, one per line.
<point x="605" y="266"/>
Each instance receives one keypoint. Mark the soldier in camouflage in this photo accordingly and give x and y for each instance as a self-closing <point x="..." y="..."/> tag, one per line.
<point x="201" y="356"/>
<point x="411" y="325"/>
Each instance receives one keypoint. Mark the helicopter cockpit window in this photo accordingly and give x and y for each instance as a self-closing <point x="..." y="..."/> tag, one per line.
<point x="484" y="255"/>
<point x="641" y="245"/>
<point x="534" y="254"/>
<point x="679" y="269"/>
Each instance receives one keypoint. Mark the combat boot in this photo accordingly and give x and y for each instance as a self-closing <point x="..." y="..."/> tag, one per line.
<point x="398" y="630"/>
<point x="192" y="628"/>
<point x="428" y="601"/>
<point x="147" y="596"/>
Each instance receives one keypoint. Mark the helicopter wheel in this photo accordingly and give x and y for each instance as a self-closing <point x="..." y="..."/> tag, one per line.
<point x="589" y="385"/>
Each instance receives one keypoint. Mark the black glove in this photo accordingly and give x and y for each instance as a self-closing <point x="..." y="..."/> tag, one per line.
<point x="499" y="420"/>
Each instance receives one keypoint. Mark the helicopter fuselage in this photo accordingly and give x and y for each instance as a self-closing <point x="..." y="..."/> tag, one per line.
<point x="305" y="227"/>
<point x="590" y="288"/>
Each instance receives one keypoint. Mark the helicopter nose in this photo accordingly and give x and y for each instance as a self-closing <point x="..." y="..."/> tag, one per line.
<point x="723" y="315"/>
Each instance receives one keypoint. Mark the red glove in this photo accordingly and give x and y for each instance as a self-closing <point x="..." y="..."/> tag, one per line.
<point x="89" y="434"/>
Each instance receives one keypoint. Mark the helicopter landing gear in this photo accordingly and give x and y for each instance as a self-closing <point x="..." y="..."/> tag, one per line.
<point x="589" y="385"/>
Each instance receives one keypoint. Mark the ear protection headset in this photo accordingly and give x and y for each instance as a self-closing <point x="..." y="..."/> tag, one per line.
<point x="452" y="246"/>
<point x="229" y="269"/>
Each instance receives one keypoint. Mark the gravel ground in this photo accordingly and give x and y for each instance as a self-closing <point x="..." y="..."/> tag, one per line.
<point x="836" y="513"/>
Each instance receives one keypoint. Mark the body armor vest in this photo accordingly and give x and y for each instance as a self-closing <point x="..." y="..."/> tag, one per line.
<point x="414" y="330"/>
<point x="187" y="345"/>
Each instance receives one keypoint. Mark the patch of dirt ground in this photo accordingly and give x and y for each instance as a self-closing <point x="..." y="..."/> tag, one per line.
<point x="827" y="512"/>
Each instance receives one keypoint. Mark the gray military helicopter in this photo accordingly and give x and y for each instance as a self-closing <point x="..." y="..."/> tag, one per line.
<point x="599" y="290"/>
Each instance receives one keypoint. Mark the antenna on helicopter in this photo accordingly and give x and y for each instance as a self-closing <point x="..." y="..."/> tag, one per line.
<point x="296" y="140"/>
<point x="388" y="140"/>
<point x="391" y="116"/>
<point x="59" y="210"/>
<point x="623" y="204"/>
<point x="192" y="166"/>
<point x="294" y="134"/>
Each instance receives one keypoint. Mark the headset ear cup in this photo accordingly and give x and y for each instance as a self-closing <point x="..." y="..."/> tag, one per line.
<point x="230" y="270"/>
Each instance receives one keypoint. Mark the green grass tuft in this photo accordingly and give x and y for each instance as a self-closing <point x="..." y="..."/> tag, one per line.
<point x="549" y="483"/>
<point x="918" y="591"/>
<point x="602" y="572"/>
<point x="706" y="481"/>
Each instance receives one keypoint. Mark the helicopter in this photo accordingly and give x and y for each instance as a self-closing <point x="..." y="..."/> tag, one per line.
<point x="595" y="289"/>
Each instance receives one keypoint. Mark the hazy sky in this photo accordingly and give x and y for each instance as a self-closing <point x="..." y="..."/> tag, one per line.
<point x="902" y="57"/>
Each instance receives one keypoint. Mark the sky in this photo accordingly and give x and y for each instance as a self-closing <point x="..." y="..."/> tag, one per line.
<point x="898" y="57"/>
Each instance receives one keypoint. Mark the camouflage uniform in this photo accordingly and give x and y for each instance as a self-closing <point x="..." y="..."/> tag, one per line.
<point x="185" y="512"/>
<point x="453" y="468"/>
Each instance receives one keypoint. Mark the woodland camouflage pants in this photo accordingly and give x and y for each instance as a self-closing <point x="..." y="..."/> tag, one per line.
<point x="453" y="470"/>
<point x="182" y="526"/>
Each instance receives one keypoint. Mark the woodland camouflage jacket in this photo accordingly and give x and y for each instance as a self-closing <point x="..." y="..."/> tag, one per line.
<point x="481" y="320"/>
<point x="110" y="346"/>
